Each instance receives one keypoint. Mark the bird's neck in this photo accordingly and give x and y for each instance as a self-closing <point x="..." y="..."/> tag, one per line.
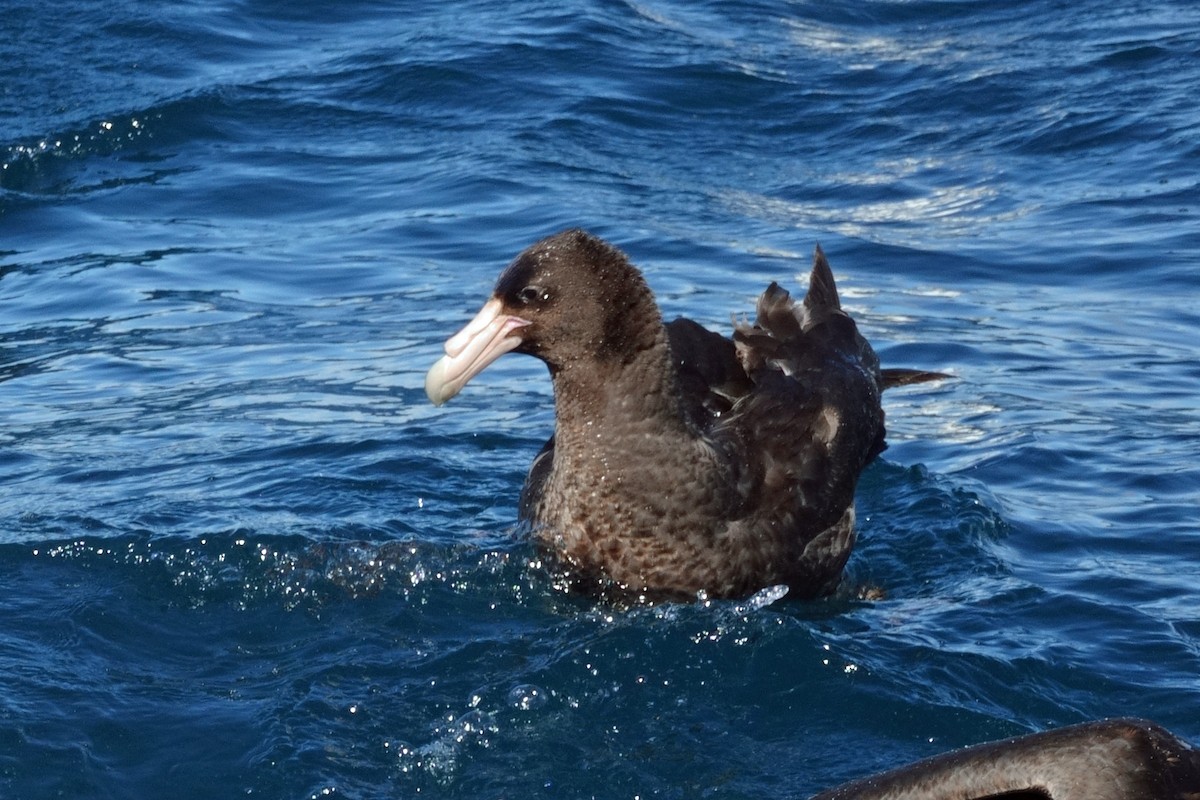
<point x="605" y="403"/>
<point x="624" y="454"/>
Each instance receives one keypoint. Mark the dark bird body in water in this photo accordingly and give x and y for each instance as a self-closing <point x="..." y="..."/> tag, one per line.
<point x="683" y="461"/>
<point x="1116" y="759"/>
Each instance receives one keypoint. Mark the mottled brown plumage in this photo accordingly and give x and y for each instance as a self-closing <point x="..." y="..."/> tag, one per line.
<point x="682" y="461"/>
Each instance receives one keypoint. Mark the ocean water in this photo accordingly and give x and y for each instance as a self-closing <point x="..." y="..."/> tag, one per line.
<point x="240" y="553"/>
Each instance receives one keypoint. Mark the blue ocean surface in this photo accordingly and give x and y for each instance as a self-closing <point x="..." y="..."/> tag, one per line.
<point x="241" y="555"/>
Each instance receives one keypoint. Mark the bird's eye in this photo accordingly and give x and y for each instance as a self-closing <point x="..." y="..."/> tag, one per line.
<point x="533" y="294"/>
